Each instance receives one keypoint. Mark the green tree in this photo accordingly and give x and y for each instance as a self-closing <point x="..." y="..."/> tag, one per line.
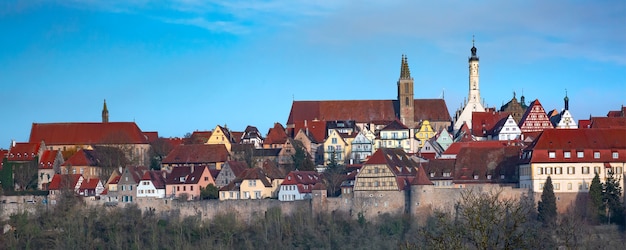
<point x="595" y="195"/>
<point x="612" y="198"/>
<point x="301" y="158"/>
<point x="209" y="192"/>
<point x="547" y="206"/>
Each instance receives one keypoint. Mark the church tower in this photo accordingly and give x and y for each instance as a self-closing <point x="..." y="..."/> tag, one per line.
<point x="473" y="103"/>
<point x="405" y="94"/>
<point x="105" y="113"/>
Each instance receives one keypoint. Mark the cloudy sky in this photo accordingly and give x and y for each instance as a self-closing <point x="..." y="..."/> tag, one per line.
<point x="180" y="66"/>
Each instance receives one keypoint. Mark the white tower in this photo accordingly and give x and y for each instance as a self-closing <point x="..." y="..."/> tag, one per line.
<point x="473" y="103"/>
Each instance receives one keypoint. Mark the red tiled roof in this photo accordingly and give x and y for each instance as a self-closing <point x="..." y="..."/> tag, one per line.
<point x="588" y="141"/>
<point x="475" y="164"/>
<point x="24" y="151"/>
<point x="256" y="174"/>
<point x="396" y="159"/>
<point x="82" y="157"/>
<point x="272" y="171"/>
<point x="236" y="136"/>
<point x="151" y="136"/>
<point x="174" y="177"/>
<point x="276" y="135"/>
<point x="456" y="147"/>
<point x="237" y="167"/>
<point x="363" y="111"/>
<point x="535" y="118"/>
<point x="115" y="180"/>
<point x="90" y="183"/>
<point x="608" y="122"/>
<point x="58" y="181"/>
<point x="197" y="153"/>
<point x="156" y="177"/>
<point x="194" y="177"/>
<point x="47" y="159"/>
<point x="316" y="129"/>
<point x="87" y="133"/>
<point x="483" y="123"/>
<point x="198" y="137"/>
<point x="584" y="123"/>
<point x="302" y="179"/>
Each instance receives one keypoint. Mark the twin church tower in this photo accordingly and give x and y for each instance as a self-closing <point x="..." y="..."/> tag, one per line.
<point x="463" y="115"/>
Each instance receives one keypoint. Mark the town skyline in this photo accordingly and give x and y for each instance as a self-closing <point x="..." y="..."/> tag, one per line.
<point x="186" y="66"/>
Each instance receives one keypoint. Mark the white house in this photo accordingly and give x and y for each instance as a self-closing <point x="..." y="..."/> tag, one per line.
<point x="152" y="185"/>
<point x="298" y="185"/>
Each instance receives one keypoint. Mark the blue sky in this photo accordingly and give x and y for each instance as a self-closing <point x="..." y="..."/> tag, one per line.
<point x="180" y="66"/>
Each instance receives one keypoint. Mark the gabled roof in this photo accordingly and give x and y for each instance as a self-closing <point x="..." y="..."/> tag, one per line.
<point x="477" y="164"/>
<point x="199" y="137"/>
<point x="276" y="135"/>
<point x="87" y="133"/>
<point x="83" y="157"/>
<point x="396" y="159"/>
<point x="251" y="132"/>
<point x="617" y="113"/>
<point x="156" y="177"/>
<point x="48" y="158"/>
<point x="60" y="181"/>
<point x="237" y="167"/>
<point x="151" y="136"/>
<point x="197" y="153"/>
<point x="194" y="177"/>
<point x="272" y="171"/>
<point x="315" y="129"/>
<point x="24" y="151"/>
<point x="174" y="178"/>
<point x="484" y="123"/>
<point x="535" y="118"/>
<point x="135" y="172"/>
<point x="394" y="125"/>
<point x="256" y="174"/>
<point x="91" y="183"/>
<point x="115" y="179"/>
<point x="302" y="179"/>
<point x="364" y="111"/>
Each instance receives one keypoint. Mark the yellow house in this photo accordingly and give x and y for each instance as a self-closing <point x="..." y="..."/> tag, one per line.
<point x="221" y="135"/>
<point x="336" y="144"/>
<point x="254" y="183"/>
<point x="424" y="133"/>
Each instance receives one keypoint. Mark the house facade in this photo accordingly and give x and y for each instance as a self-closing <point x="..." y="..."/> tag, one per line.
<point x="298" y="185"/>
<point x="394" y="135"/>
<point x="362" y="146"/>
<point x="152" y="185"/>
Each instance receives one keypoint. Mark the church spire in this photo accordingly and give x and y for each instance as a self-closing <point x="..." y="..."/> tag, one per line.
<point x="405" y="73"/>
<point x="105" y="112"/>
<point x="473" y="50"/>
<point x="566" y="99"/>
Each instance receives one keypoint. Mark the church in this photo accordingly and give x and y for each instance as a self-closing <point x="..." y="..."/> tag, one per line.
<point x="369" y="114"/>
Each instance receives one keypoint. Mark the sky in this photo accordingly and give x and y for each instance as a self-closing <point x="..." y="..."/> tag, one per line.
<point x="185" y="65"/>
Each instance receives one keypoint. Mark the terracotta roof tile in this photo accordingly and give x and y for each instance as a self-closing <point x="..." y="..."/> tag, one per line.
<point x="197" y="153"/>
<point x="363" y="111"/>
<point x="60" y="180"/>
<point x="24" y="151"/>
<point x="588" y="141"/>
<point x="276" y="135"/>
<point x="87" y="133"/>
<point x="608" y="122"/>
<point x="48" y="158"/>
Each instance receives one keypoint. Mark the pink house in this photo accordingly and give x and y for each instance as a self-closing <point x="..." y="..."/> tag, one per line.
<point x="188" y="180"/>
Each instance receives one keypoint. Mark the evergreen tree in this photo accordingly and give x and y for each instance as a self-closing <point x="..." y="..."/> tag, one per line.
<point x="547" y="206"/>
<point x="301" y="158"/>
<point x="595" y="195"/>
<point x="612" y="199"/>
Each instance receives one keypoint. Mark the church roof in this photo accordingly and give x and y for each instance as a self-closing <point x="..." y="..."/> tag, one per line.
<point x="363" y="111"/>
<point x="197" y="153"/>
<point x="87" y="133"/>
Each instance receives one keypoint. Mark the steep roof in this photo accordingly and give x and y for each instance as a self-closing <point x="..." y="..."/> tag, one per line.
<point x="396" y="159"/>
<point x="91" y="183"/>
<point x="47" y="159"/>
<point x="394" y="125"/>
<point x="24" y="151"/>
<point x="151" y="136"/>
<point x="87" y="133"/>
<point x="316" y="129"/>
<point x="237" y="167"/>
<point x="535" y="118"/>
<point x="60" y="180"/>
<point x="363" y="111"/>
<point x="156" y="177"/>
<point x="302" y="179"/>
<point x="82" y="157"/>
<point x="276" y="135"/>
<point x="174" y="177"/>
<point x="197" y="153"/>
<point x="476" y="164"/>
<point x="256" y="174"/>
<point x="484" y="123"/>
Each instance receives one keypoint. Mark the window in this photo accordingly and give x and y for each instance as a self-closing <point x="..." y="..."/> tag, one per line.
<point x="334" y="140"/>
<point x="580" y="154"/>
<point x="571" y="170"/>
<point x="596" y="170"/>
<point x="569" y="186"/>
<point x="596" y="155"/>
<point x="552" y="155"/>
<point x="191" y="188"/>
<point x="558" y="170"/>
<point x="539" y="171"/>
<point x="246" y="195"/>
<point x="618" y="170"/>
<point x="548" y="170"/>
<point x="567" y="155"/>
<point x="257" y="194"/>
<point x="557" y="186"/>
<point x="585" y="170"/>
<point x="615" y="155"/>
<point x="252" y="183"/>
<point x="206" y="178"/>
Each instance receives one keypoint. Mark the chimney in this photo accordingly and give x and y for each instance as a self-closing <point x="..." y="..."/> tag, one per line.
<point x="12" y="142"/>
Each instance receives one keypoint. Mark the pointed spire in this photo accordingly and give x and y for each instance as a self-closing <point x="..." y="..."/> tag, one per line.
<point x="566" y="99"/>
<point x="405" y="73"/>
<point x="105" y="112"/>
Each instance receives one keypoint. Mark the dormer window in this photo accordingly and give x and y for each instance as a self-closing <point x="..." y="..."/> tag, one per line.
<point x="551" y="154"/>
<point x="596" y="155"/>
<point x="475" y="177"/>
<point x="615" y="155"/>
<point x="580" y="154"/>
<point x="567" y="155"/>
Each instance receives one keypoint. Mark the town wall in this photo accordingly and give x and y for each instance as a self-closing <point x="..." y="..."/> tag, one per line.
<point x="419" y="202"/>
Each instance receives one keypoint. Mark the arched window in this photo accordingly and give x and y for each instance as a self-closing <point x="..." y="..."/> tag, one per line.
<point x="406" y="88"/>
<point x="406" y="101"/>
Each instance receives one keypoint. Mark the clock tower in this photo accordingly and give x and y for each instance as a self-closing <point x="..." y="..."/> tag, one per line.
<point x="473" y="103"/>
